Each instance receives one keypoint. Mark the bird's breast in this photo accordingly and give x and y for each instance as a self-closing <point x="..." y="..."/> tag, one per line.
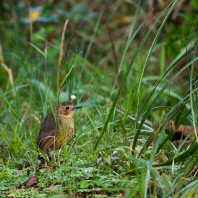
<point x="66" y="130"/>
<point x="66" y="122"/>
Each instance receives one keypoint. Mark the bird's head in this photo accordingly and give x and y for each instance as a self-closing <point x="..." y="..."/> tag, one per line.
<point x="67" y="108"/>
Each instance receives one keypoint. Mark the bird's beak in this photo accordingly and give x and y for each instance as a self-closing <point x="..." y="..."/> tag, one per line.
<point x="77" y="107"/>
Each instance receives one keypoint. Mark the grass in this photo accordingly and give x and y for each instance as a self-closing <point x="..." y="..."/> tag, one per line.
<point x="118" y="151"/>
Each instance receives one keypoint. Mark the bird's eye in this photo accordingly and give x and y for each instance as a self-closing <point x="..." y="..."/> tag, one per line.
<point x="67" y="108"/>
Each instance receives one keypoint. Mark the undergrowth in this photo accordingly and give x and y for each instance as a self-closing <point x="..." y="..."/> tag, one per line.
<point x="129" y="97"/>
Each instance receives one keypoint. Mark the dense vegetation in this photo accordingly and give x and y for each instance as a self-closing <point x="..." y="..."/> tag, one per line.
<point x="133" y="67"/>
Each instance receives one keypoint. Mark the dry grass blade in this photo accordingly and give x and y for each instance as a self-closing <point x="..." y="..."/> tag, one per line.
<point x="1" y="55"/>
<point x="65" y="78"/>
<point x="62" y="43"/>
<point x="9" y="71"/>
<point x="61" y="57"/>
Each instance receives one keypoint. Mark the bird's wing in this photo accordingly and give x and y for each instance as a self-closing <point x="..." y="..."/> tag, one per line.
<point x="47" y="141"/>
<point x="47" y="134"/>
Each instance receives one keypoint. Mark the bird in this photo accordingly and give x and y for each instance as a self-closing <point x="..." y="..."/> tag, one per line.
<point x="57" y="128"/>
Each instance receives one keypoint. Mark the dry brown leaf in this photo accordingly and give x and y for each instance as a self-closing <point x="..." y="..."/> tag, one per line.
<point x="32" y="181"/>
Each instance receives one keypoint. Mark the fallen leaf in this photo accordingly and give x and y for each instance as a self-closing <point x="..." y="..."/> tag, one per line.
<point x="32" y="181"/>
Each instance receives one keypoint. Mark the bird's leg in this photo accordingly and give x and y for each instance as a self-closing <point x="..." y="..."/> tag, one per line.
<point x="73" y="144"/>
<point x="49" y="156"/>
<point x="40" y="158"/>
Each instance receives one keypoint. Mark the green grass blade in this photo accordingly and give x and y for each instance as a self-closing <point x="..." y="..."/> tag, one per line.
<point x="182" y="157"/>
<point x="122" y="84"/>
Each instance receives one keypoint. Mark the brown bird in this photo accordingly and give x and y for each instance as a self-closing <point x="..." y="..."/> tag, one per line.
<point x="57" y="128"/>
